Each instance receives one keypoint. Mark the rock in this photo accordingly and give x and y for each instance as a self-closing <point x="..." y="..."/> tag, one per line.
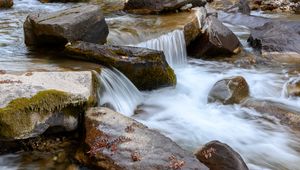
<point x="118" y="142"/>
<point x="6" y="3"/>
<point x="231" y="90"/>
<point x="84" y="23"/>
<point x="219" y="156"/>
<point x="146" y="68"/>
<point x="241" y="6"/>
<point x="293" y="88"/>
<point x="64" y="1"/>
<point x="287" y="115"/>
<point x="278" y="40"/>
<point x="32" y="103"/>
<point x="158" y="6"/>
<point x="216" y="40"/>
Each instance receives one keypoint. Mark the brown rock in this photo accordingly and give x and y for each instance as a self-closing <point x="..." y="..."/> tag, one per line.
<point x="293" y="88"/>
<point x="229" y="91"/>
<point x="112" y="147"/>
<point x="219" y="156"/>
<point x="6" y="3"/>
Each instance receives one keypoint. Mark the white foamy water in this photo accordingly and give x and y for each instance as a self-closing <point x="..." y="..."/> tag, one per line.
<point x="183" y="114"/>
<point x="117" y="91"/>
<point x="172" y="44"/>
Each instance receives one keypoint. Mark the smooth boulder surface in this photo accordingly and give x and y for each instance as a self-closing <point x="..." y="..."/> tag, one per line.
<point x="121" y="143"/>
<point x="278" y="40"/>
<point x="84" y="23"/>
<point x="231" y="90"/>
<point x="33" y="102"/>
<point x="147" y="69"/>
<point x="293" y="88"/>
<point x="287" y="115"/>
<point x="219" y="156"/>
<point x="158" y="6"/>
<point x="216" y="40"/>
<point x="6" y="3"/>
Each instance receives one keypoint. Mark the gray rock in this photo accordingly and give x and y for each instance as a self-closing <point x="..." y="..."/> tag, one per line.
<point x="158" y="6"/>
<point x="118" y="142"/>
<point x="33" y="102"/>
<point x="147" y="69"/>
<point x="279" y="40"/>
<point x="216" y="40"/>
<point x="84" y="23"/>
<point x="219" y="156"/>
<point x="229" y="91"/>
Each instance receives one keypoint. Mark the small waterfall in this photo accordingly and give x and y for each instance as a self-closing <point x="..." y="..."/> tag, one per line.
<point x="118" y="92"/>
<point x="172" y="44"/>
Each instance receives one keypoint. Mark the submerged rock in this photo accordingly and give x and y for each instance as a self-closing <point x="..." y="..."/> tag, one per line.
<point x="6" y="3"/>
<point x="287" y="115"/>
<point x="278" y="40"/>
<point x="84" y="23"/>
<point x="216" y="40"/>
<point x="158" y="6"/>
<point x="219" y="156"/>
<point x="32" y="103"/>
<point x="146" y="68"/>
<point x="118" y="142"/>
<point x="229" y="91"/>
<point x="293" y="88"/>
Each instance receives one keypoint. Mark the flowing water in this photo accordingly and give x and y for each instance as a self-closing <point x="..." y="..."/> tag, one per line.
<point x="182" y="112"/>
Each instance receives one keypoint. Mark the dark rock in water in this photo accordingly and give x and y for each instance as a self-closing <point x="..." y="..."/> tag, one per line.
<point x="287" y="115"/>
<point x="219" y="156"/>
<point x="216" y="40"/>
<point x="32" y="103"/>
<point x="293" y="88"/>
<point x="279" y="40"/>
<point x="229" y="91"/>
<point x="121" y="143"/>
<point x="147" y="69"/>
<point x="6" y="3"/>
<point x="84" y="23"/>
<point x="158" y="6"/>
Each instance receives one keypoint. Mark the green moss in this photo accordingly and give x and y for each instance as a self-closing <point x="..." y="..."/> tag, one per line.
<point x="15" y="118"/>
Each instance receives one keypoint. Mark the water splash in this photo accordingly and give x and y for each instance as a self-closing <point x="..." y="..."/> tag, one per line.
<point x="172" y="44"/>
<point x="118" y="92"/>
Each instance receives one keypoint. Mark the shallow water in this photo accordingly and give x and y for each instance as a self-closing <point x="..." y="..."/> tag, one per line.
<point x="182" y="112"/>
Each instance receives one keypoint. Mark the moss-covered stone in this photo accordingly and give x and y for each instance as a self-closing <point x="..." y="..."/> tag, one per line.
<point x="147" y="69"/>
<point x="21" y="115"/>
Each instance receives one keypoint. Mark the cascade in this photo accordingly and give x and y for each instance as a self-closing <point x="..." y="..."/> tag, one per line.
<point x="118" y="92"/>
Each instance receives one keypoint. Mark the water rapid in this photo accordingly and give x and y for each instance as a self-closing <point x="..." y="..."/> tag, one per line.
<point x="118" y="92"/>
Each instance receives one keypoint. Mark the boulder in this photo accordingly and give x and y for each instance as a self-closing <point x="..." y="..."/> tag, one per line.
<point x="219" y="156"/>
<point x="84" y="23"/>
<point x="33" y="102"/>
<point x="241" y="6"/>
<point x="147" y="69"/>
<point x="278" y="40"/>
<point x="216" y="40"/>
<point x="118" y="142"/>
<point x="159" y="6"/>
<point x="293" y="88"/>
<point x="231" y="90"/>
<point x="6" y="3"/>
<point x="287" y="115"/>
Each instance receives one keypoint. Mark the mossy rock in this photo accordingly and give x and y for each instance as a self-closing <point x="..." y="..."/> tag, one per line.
<point x="147" y="69"/>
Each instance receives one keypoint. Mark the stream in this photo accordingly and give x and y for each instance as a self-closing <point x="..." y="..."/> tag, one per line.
<point x="182" y="112"/>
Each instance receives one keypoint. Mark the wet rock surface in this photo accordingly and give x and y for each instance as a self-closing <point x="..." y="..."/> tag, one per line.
<point x="118" y="142"/>
<point x="146" y="68"/>
<point x="158" y="6"/>
<point x="216" y="40"/>
<point x="293" y="88"/>
<point x="231" y="90"/>
<point x="241" y="6"/>
<point x="287" y="115"/>
<point x="6" y="3"/>
<point x="219" y="156"/>
<point x="33" y="102"/>
<point x="279" y="40"/>
<point x="84" y="23"/>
